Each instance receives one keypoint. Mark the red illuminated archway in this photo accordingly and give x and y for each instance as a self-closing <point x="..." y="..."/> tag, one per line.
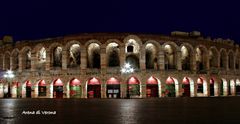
<point x="28" y="89"/>
<point x="170" y="89"/>
<point x="42" y="89"/>
<point x="75" y="88"/>
<point x="133" y="87"/>
<point x="212" y="81"/>
<point x="58" y="88"/>
<point x="93" y="88"/>
<point x="200" y="82"/>
<point x="152" y="87"/>
<point x="186" y="87"/>
<point x="113" y="88"/>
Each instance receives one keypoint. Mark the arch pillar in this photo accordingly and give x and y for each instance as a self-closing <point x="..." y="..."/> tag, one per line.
<point x="161" y="60"/>
<point x="48" y="60"/>
<point x="11" y="62"/>
<point x="33" y="61"/>
<point x="4" y="65"/>
<point x="142" y="58"/>
<point x="178" y="60"/>
<point x="227" y="63"/>
<point x="143" y="85"/>
<point x="122" y="55"/>
<point x="64" y="59"/>
<point x="20" y="63"/>
<point x="103" y="56"/>
<point x="193" y="62"/>
<point x="83" y="58"/>
<point x="103" y="88"/>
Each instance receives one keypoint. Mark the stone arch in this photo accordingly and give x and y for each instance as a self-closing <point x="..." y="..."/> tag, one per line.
<point x="41" y="88"/>
<point x="25" y="54"/>
<point x="74" y="88"/>
<point x="113" y="54"/>
<point x="40" y="52"/>
<point x="113" y="89"/>
<point x="55" y="50"/>
<point x="15" y="59"/>
<point x="223" y="87"/>
<point x="133" y="50"/>
<point x="231" y="59"/>
<point x="93" y="87"/>
<point x="73" y="53"/>
<point x="56" y="87"/>
<point x="202" y="87"/>
<point x="94" y="55"/>
<point x="201" y="57"/>
<point x="237" y="87"/>
<point x="187" y="53"/>
<point x="151" y="54"/>
<point x="153" y="88"/>
<point x="133" y="87"/>
<point x="170" y="53"/>
<point x="223" y="58"/>
<point x="188" y="87"/>
<point x="213" y="57"/>
<point x="7" y="60"/>
<point x="135" y="37"/>
<point x="171" y="87"/>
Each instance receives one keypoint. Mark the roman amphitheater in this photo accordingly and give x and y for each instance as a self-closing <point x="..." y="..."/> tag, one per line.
<point x="120" y="65"/>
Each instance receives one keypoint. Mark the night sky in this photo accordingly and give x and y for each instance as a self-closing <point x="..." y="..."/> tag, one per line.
<point x="25" y="19"/>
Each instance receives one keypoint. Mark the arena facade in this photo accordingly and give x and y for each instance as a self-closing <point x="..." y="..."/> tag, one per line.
<point x="90" y="66"/>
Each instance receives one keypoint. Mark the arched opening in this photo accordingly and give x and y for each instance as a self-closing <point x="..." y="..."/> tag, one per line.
<point x="201" y="87"/>
<point x="15" y="60"/>
<point x="151" y="56"/>
<point x="113" y="88"/>
<point x="57" y="57"/>
<point x="113" y="52"/>
<point x="58" y="89"/>
<point x="7" y="61"/>
<point x="201" y="59"/>
<point x="74" y="56"/>
<point x="223" y="59"/>
<point x="223" y="87"/>
<point x="170" y="57"/>
<point x="213" y="58"/>
<point x="238" y="87"/>
<point x="152" y="87"/>
<point x="171" y="87"/>
<point x="42" y="88"/>
<point x="93" y="88"/>
<point x="15" y="90"/>
<point x="186" y="87"/>
<point x="26" y="59"/>
<point x="185" y="58"/>
<point x="28" y="89"/>
<point x="231" y="60"/>
<point x="229" y="88"/>
<point x="133" y="61"/>
<point x="212" y="82"/>
<point x="41" y="56"/>
<point x="133" y="88"/>
<point x="75" y="88"/>
<point x="93" y="55"/>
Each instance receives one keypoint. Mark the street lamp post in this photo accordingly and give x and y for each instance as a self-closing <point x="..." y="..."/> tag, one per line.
<point x="9" y="75"/>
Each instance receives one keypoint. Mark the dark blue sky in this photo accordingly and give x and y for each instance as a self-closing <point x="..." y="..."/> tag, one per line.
<point x="49" y="18"/>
